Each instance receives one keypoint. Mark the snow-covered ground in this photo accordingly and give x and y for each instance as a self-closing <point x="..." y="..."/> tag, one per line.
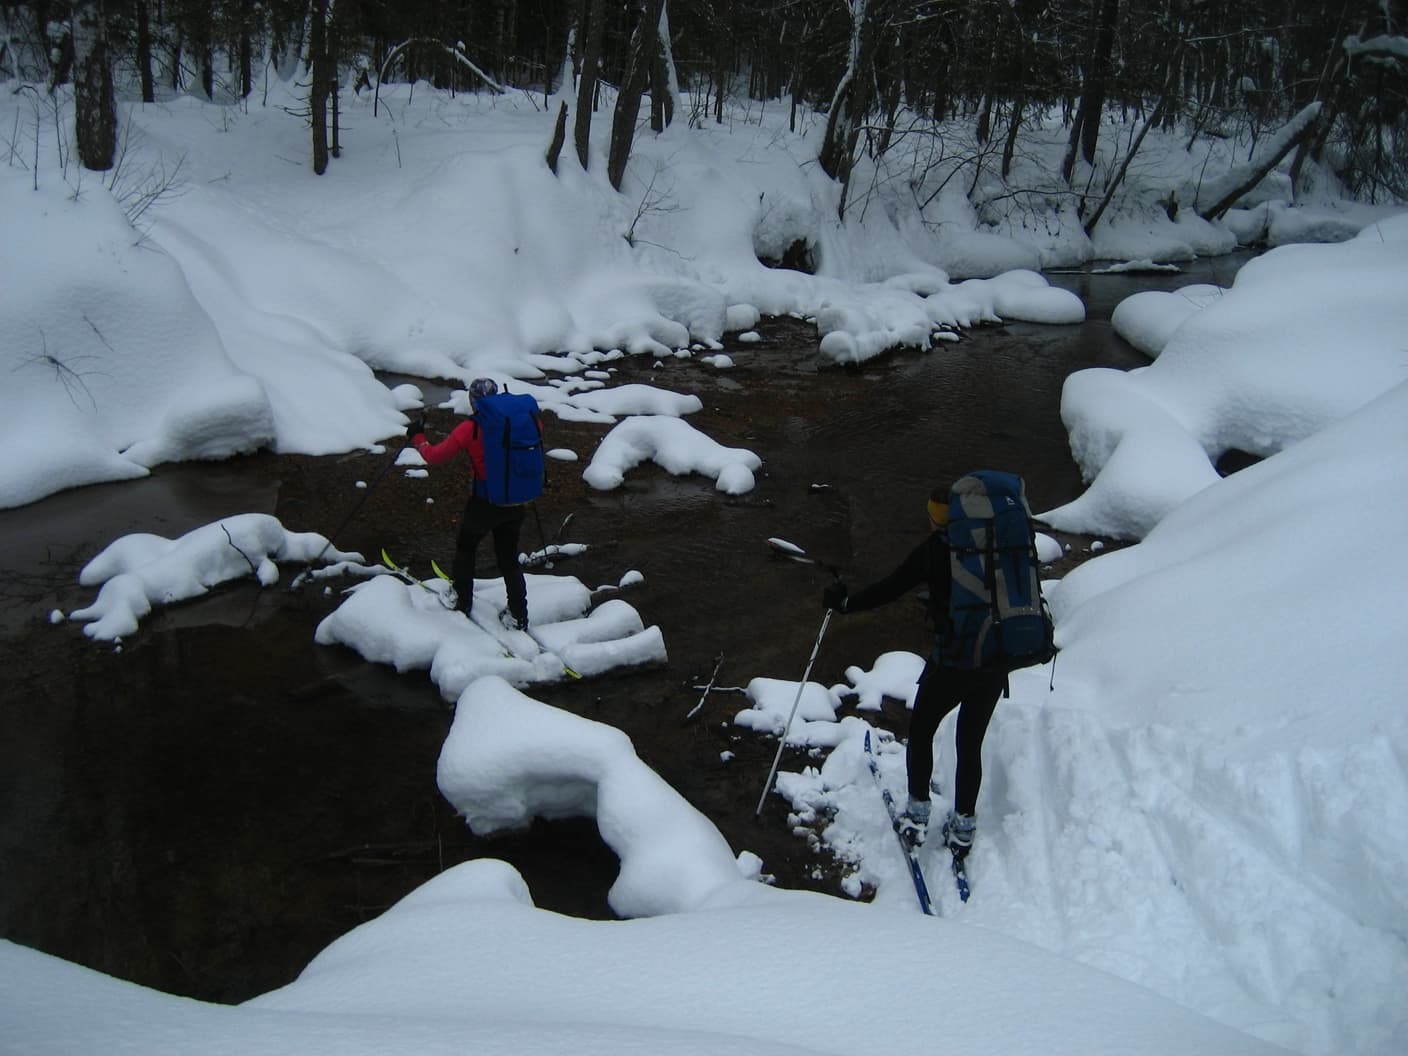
<point x="257" y="300"/>
<point x="1193" y="843"/>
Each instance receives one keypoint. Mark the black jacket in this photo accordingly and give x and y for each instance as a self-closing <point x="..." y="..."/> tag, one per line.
<point x="926" y="565"/>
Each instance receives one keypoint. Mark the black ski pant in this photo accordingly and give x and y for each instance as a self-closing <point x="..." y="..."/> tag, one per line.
<point x="481" y="518"/>
<point x="941" y="689"/>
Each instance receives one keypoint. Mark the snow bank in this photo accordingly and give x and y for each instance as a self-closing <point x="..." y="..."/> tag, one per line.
<point x="509" y="759"/>
<point x="111" y="366"/>
<point x="1257" y="369"/>
<point x="465" y="963"/>
<point x="1148" y="320"/>
<point x="1210" y="801"/>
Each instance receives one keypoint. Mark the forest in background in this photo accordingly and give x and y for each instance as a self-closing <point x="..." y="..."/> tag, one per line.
<point x="1322" y="81"/>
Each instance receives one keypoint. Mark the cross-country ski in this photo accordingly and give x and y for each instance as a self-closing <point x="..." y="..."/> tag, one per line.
<point x="907" y="846"/>
<point x="405" y="576"/>
<point x="960" y="873"/>
<point x="503" y="633"/>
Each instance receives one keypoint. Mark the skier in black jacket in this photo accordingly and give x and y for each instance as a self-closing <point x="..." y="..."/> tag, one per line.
<point x="941" y="687"/>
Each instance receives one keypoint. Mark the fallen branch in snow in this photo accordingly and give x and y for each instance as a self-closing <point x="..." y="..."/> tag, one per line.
<point x="237" y="550"/>
<point x="456" y="53"/>
<point x="254" y="603"/>
<point x="1237" y="183"/>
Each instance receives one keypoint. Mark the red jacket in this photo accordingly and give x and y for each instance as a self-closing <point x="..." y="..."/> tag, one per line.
<point x="464" y="437"/>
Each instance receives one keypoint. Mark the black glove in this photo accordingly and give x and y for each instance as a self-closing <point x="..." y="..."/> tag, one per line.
<point x="834" y="596"/>
<point x="416" y="427"/>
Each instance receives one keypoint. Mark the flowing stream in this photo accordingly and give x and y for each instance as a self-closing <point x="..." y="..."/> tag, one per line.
<point x="205" y="808"/>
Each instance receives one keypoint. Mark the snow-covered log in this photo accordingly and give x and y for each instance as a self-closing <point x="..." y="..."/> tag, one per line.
<point x="1224" y="192"/>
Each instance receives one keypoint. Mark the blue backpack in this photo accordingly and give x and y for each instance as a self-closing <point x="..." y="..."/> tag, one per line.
<point x="513" y="448"/>
<point x="997" y="618"/>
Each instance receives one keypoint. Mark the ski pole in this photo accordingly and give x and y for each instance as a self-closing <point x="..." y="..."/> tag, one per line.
<point x="542" y="559"/>
<point x="348" y="519"/>
<point x="541" y="534"/>
<point x="782" y="741"/>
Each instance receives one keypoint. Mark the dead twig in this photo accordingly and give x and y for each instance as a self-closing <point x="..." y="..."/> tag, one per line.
<point x="242" y="554"/>
<point x="69" y="377"/>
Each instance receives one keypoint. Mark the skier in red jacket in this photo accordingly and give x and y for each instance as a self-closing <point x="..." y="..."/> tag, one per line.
<point x="481" y="517"/>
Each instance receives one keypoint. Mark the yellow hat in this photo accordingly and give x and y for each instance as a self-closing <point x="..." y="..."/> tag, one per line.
<point x="938" y="506"/>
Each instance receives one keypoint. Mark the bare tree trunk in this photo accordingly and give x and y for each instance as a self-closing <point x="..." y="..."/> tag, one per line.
<point x="499" y="57"/>
<point x="559" y="137"/>
<point x="1086" y="129"/>
<point x="664" y="84"/>
<point x="60" y="51"/>
<point x="176" y="79"/>
<point x="1089" y="225"/>
<point x="1098" y="85"/>
<point x="984" y="129"/>
<point x="318" y="84"/>
<point x="852" y="100"/>
<point x="330" y="82"/>
<point x="144" y="52"/>
<point x="1166" y="100"/>
<point x="794" y="78"/>
<point x="889" y="89"/>
<point x="586" y="83"/>
<point x="203" y="32"/>
<point x="94" y="107"/>
<point x="1019" y="100"/>
<point x="1312" y="145"/>
<point x="841" y="117"/>
<point x="623" y="119"/>
<point x="644" y="42"/>
<point x="1009" y="146"/>
<point x="246" y="48"/>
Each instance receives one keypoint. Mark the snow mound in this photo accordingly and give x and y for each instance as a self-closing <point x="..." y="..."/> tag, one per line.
<point x="412" y="627"/>
<point x="1257" y="369"/>
<point x="139" y="571"/>
<point x="674" y="445"/>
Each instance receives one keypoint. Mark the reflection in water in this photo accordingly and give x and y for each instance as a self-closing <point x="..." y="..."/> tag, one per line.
<point x="1101" y="292"/>
<point x="47" y="543"/>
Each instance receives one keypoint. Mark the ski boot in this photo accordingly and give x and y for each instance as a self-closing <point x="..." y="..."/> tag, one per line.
<point x="914" y="822"/>
<point x="958" y="832"/>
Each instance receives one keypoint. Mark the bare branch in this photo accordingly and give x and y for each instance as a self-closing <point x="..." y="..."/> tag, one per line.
<point x="70" y="378"/>
<point x="237" y="550"/>
<point x="454" y="53"/>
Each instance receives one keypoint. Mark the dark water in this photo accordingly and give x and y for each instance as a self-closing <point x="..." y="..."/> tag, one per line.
<point x="207" y="807"/>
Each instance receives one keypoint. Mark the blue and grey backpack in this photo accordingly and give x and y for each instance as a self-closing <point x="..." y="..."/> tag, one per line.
<point x="997" y="618"/>
<point x="513" y="448"/>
